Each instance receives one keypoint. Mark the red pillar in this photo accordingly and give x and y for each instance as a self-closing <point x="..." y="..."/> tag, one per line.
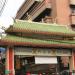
<point x="74" y="59"/>
<point x="10" y="60"/>
<point x="72" y="63"/>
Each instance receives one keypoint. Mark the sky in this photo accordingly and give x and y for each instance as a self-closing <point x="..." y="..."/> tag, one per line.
<point x="10" y="10"/>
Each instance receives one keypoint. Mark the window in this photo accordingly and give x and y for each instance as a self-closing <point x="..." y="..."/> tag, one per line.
<point x="73" y="27"/>
<point x="72" y="8"/>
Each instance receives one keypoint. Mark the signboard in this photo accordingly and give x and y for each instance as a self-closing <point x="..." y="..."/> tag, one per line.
<point x="42" y="52"/>
<point x="42" y="60"/>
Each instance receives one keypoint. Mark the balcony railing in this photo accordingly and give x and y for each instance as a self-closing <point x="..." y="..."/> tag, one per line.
<point x="39" y="8"/>
<point x="72" y="2"/>
<point x="24" y="8"/>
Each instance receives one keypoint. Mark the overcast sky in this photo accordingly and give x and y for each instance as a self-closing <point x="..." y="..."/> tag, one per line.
<point x="10" y="12"/>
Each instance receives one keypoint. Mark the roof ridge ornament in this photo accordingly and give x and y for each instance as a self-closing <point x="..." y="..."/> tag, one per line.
<point x="29" y="18"/>
<point x="13" y="19"/>
<point x="2" y="35"/>
<point x="55" y="20"/>
<point x="69" y="27"/>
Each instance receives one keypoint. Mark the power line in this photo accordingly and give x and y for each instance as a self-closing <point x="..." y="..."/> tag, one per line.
<point x="2" y="5"/>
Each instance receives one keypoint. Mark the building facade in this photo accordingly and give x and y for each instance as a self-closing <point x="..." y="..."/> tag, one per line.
<point x="60" y="12"/>
<point x="44" y="48"/>
<point x="49" y="11"/>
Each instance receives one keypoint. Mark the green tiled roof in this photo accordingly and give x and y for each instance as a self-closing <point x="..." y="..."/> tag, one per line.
<point x="24" y="26"/>
<point x="16" y="39"/>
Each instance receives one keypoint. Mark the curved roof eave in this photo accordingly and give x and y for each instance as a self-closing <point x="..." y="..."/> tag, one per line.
<point x="19" y="41"/>
<point x="40" y="28"/>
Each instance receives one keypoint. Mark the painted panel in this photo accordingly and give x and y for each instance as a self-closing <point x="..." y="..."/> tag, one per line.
<point x="42" y="52"/>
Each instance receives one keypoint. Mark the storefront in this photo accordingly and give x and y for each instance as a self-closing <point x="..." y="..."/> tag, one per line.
<point x="41" y="60"/>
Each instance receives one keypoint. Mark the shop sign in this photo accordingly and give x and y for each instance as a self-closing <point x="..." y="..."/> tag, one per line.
<point x="42" y="60"/>
<point x="42" y="52"/>
<point x="51" y="52"/>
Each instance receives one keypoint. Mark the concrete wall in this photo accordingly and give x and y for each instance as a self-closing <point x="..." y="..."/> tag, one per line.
<point x="61" y="11"/>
